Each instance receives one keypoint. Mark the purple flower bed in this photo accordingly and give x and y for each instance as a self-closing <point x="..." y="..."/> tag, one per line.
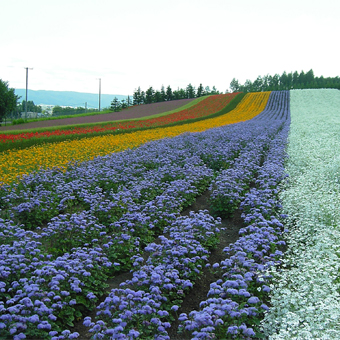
<point x="159" y="283"/>
<point x="65" y="233"/>
<point x="237" y="300"/>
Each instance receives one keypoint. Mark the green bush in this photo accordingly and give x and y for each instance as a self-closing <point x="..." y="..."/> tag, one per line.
<point x="19" y="121"/>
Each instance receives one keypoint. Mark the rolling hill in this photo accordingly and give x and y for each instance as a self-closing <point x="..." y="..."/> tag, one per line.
<point x="67" y="98"/>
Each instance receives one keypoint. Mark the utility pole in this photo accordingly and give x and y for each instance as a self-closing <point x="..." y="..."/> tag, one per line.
<point x="100" y="83"/>
<point x="27" y="68"/>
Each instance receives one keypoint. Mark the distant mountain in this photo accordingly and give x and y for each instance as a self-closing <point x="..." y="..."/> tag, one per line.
<point x="67" y="98"/>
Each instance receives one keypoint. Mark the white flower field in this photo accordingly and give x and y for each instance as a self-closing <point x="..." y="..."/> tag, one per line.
<point x="305" y="297"/>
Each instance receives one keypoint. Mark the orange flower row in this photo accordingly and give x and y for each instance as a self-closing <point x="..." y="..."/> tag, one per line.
<point x="19" y="162"/>
<point x="203" y="108"/>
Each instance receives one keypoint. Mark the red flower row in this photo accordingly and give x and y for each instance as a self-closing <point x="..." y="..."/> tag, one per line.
<point x="204" y="108"/>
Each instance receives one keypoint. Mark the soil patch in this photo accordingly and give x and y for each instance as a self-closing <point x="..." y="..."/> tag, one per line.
<point x="199" y="292"/>
<point x="138" y="111"/>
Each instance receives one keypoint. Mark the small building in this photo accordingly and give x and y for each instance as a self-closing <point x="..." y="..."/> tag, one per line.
<point x="32" y="115"/>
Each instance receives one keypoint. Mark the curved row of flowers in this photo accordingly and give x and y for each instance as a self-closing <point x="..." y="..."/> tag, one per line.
<point x="52" y="195"/>
<point x="206" y="107"/>
<point x="20" y="162"/>
<point x="107" y="210"/>
<point x="305" y="295"/>
<point x="121" y="309"/>
<point x="238" y="300"/>
<point x="175" y="260"/>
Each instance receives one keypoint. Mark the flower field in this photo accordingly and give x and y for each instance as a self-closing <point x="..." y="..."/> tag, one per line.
<point x="305" y="295"/>
<point x="89" y="210"/>
<point x="203" y="108"/>
<point x="15" y="163"/>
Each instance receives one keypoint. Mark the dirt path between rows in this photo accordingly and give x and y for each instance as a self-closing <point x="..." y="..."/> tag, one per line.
<point x="199" y="292"/>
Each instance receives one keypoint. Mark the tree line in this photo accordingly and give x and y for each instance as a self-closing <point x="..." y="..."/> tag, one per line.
<point x="118" y="105"/>
<point x="152" y="95"/>
<point x="65" y="111"/>
<point x="31" y="107"/>
<point x="285" y="81"/>
<point x="8" y="99"/>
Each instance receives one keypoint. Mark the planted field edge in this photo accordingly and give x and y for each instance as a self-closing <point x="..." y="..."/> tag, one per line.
<point x="157" y="200"/>
<point x="22" y="144"/>
<point x="188" y="105"/>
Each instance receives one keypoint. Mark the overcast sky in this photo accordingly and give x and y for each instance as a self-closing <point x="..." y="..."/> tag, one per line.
<point x="70" y="44"/>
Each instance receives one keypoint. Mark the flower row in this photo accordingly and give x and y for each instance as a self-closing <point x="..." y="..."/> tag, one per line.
<point x="305" y="300"/>
<point x="39" y="196"/>
<point x="235" y="302"/>
<point x="158" y="285"/>
<point x="63" y="288"/>
<point x="204" y="108"/>
<point x="20" y="162"/>
<point x="123" y="305"/>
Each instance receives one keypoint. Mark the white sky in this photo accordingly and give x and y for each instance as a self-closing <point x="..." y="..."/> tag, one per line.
<point x="70" y="44"/>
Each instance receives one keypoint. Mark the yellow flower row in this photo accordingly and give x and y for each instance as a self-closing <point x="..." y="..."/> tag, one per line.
<point x="19" y="162"/>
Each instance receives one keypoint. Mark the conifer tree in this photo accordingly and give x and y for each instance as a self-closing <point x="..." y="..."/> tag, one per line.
<point x="115" y="105"/>
<point x="200" y="91"/>
<point x="162" y="94"/>
<point x="137" y="97"/>
<point x="149" y="95"/>
<point x="190" y="91"/>
<point x="234" y="85"/>
<point x="169" y="94"/>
